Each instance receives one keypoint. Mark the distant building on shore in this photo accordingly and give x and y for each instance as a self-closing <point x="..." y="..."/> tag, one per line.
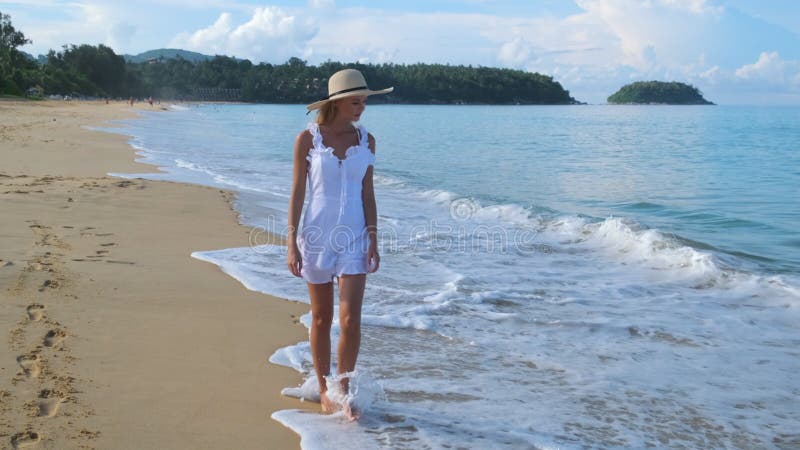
<point x="218" y="94"/>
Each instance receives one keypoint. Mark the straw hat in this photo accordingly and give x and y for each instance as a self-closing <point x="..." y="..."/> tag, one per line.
<point x="346" y="83"/>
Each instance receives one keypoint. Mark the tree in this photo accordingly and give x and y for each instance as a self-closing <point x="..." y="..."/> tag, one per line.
<point x="99" y="65"/>
<point x="673" y="93"/>
<point x="97" y="70"/>
<point x="15" y="67"/>
<point x="10" y="38"/>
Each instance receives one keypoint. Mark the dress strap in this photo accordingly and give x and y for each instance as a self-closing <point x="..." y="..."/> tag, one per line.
<point x="313" y="128"/>
<point x="364" y="143"/>
<point x="363" y="136"/>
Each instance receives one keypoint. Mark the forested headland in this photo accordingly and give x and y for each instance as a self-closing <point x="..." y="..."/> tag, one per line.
<point x="658" y="92"/>
<point x="97" y="71"/>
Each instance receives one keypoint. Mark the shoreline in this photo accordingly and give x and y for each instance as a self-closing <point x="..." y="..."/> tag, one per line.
<point x="108" y="317"/>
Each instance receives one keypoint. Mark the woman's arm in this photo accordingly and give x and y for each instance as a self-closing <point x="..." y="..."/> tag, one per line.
<point x="370" y="213"/>
<point x="301" y="146"/>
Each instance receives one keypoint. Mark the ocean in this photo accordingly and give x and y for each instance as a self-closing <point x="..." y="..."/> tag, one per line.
<point x="551" y="276"/>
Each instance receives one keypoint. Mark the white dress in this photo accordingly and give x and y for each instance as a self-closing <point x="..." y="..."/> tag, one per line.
<point x="333" y="239"/>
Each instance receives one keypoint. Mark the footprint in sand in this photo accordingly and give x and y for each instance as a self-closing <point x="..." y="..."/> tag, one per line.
<point x="30" y="365"/>
<point x="52" y="284"/>
<point x="49" y="401"/>
<point x="54" y="337"/>
<point x="39" y="266"/>
<point x="25" y="439"/>
<point x="35" y="311"/>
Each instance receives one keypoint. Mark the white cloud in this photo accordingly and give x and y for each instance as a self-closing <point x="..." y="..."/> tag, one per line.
<point x="359" y="34"/>
<point x="79" y="23"/>
<point x="644" y="30"/>
<point x="120" y="35"/>
<point x="321" y="4"/>
<point x="515" y="53"/>
<point x="212" y="39"/>
<point x="126" y="26"/>
<point x="769" y="67"/>
<point x="95" y="14"/>
<point x="772" y="70"/>
<point x="698" y="7"/>
<point x="271" y="34"/>
<point x="711" y="74"/>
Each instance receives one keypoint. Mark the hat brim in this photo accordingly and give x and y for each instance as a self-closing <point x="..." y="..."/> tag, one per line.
<point x="317" y="105"/>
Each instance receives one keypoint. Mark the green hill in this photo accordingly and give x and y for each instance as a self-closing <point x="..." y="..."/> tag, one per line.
<point x="658" y="92"/>
<point x="167" y="53"/>
<point x="225" y="78"/>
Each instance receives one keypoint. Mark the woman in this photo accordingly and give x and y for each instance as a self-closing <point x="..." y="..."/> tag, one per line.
<point x="339" y="235"/>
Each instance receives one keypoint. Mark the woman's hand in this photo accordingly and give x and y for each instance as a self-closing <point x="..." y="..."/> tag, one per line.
<point x="294" y="260"/>
<point x="373" y="258"/>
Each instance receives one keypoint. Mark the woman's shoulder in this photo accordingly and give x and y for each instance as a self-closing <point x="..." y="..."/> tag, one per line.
<point x="304" y="141"/>
<point x="304" y="136"/>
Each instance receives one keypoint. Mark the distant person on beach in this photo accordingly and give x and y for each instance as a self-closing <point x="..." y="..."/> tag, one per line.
<point x="339" y="237"/>
<point x="130" y="100"/>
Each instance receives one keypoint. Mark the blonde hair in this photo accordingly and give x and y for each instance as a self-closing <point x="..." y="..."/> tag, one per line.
<point x="326" y="113"/>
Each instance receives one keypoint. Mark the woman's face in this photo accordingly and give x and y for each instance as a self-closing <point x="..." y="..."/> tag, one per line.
<point x="351" y="107"/>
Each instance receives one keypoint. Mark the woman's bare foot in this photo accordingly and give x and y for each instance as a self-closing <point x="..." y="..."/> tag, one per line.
<point x="351" y="412"/>
<point x="328" y="406"/>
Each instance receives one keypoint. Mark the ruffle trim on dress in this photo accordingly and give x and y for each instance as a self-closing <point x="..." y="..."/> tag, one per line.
<point x="319" y="148"/>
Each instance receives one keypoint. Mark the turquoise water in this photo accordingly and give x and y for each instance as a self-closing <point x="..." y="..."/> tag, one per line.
<point x="725" y="177"/>
<point x="570" y="277"/>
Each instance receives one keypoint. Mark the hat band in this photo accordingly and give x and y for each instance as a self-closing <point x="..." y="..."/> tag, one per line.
<point x="346" y="90"/>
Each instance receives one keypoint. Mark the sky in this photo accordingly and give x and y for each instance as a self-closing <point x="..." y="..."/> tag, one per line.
<point x="734" y="51"/>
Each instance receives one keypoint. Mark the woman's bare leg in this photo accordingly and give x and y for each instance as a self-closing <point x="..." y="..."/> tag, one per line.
<point x="321" y="318"/>
<point x="351" y="296"/>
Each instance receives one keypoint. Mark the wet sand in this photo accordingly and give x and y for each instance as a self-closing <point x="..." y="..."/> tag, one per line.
<point x="116" y="337"/>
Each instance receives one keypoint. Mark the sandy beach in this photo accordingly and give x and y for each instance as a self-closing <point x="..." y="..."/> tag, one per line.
<point x="116" y="337"/>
